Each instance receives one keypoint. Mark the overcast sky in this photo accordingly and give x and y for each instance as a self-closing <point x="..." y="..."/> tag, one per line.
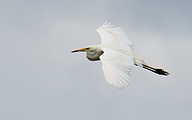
<point x="41" y="80"/>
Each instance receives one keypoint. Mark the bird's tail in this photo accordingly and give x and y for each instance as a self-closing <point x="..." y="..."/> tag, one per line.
<point x="141" y="63"/>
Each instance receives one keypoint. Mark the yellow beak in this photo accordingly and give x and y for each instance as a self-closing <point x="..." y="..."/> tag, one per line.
<point x="82" y="49"/>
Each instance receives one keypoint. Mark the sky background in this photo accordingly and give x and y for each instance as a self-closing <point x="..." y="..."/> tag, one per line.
<point x="41" y="80"/>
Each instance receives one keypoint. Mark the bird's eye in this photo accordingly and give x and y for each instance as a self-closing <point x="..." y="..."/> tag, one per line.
<point x="87" y="48"/>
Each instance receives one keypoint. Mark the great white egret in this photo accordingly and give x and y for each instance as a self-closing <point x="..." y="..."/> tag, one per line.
<point x="116" y="55"/>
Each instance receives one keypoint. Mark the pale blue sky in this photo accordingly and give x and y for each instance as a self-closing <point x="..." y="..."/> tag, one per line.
<point x="41" y="80"/>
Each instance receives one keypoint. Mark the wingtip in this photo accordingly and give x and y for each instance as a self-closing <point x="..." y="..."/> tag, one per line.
<point x="106" y="24"/>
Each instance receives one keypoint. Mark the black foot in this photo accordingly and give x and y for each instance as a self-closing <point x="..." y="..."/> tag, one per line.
<point x="161" y="72"/>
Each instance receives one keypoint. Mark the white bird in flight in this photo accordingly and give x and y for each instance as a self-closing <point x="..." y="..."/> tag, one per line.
<point x="116" y="55"/>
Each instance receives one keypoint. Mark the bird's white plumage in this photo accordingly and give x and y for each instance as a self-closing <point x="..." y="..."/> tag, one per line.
<point x="116" y="55"/>
<point x="116" y="62"/>
<point x="115" y="37"/>
<point x="116" y="67"/>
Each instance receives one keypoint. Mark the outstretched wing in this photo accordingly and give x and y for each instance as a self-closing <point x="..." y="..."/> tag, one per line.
<point x="117" y="60"/>
<point x="115" y="37"/>
<point x="116" y="67"/>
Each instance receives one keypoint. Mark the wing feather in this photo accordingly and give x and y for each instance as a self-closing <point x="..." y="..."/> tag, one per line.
<point x="116" y="67"/>
<point x="114" y="36"/>
<point x="117" y="59"/>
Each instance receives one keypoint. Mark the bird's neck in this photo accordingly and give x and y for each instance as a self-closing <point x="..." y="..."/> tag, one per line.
<point x="95" y="54"/>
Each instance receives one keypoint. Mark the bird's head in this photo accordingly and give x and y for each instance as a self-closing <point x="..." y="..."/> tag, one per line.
<point x="93" y="52"/>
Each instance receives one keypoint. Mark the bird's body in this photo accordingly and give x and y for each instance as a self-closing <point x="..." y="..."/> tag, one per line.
<point x="116" y="55"/>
